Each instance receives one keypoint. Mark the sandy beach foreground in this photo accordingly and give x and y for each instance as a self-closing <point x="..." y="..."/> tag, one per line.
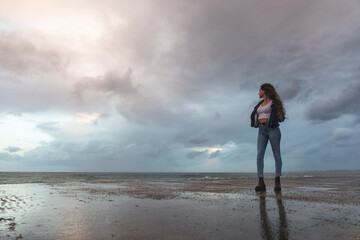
<point x="307" y="208"/>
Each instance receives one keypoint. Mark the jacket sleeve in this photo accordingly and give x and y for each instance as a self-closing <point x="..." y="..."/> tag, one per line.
<point x="254" y="117"/>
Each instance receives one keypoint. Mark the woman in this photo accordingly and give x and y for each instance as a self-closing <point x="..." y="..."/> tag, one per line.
<point x="266" y="116"/>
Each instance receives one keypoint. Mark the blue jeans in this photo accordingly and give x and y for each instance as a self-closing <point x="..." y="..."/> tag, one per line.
<point x="274" y="135"/>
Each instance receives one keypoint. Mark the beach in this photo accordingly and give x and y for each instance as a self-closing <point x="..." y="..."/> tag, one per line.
<point x="309" y="207"/>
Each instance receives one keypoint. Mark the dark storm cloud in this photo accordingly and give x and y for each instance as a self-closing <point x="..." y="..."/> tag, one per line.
<point x="237" y="43"/>
<point x="147" y="108"/>
<point x="110" y="83"/>
<point x="156" y="152"/>
<point x="293" y="88"/>
<point x="231" y="47"/>
<point x="341" y="134"/>
<point x="12" y="149"/>
<point x="357" y="120"/>
<point x="334" y="106"/>
<point x="198" y="139"/>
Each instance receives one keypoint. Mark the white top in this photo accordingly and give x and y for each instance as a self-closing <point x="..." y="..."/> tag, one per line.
<point x="264" y="111"/>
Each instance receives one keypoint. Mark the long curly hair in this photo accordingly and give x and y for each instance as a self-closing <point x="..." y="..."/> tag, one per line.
<point x="273" y="95"/>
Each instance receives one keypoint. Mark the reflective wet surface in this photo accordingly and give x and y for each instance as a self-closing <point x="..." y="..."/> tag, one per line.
<point x="102" y="211"/>
<point x="281" y="231"/>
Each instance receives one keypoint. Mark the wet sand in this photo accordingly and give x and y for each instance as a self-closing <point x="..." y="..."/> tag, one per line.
<point x="307" y="208"/>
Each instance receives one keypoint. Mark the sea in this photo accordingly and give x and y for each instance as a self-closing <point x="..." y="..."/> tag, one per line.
<point x="113" y="177"/>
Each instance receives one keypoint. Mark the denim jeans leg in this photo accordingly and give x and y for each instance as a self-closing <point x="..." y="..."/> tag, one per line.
<point x="275" y="137"/>
<point x="261" y="147"/>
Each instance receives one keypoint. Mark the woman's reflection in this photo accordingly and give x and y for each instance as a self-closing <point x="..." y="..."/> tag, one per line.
<point x="267" y="232"/>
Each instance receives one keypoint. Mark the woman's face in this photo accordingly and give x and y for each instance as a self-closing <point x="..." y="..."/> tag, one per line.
<point x="261" y="93"/>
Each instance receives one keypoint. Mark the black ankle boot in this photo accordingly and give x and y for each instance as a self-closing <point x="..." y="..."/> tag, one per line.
<point x="261" y="186"/>
<point x="277" y="184"/>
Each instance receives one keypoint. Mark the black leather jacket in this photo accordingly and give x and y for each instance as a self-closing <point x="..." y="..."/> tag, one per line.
<point x="273" y="120"/>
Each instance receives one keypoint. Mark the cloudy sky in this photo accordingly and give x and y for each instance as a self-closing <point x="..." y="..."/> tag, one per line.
<point x="159" y="85"/>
